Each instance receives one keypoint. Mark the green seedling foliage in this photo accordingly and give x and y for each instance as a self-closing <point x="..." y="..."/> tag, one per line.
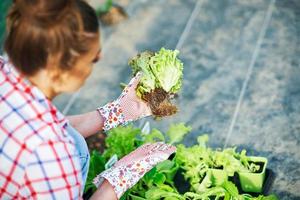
<point x="195" y="161"/>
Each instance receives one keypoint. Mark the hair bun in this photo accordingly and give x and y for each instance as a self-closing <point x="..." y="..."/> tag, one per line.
<point x="42" y="10"/>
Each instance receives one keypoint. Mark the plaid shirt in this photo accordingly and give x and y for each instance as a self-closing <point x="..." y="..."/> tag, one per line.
<point x="38" y="159"/>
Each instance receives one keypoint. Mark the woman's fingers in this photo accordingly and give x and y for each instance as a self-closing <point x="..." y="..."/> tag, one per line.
<point x="157" y="149"/>
<point x="146" y="109"/>
<point x="163" y="148"/>
<point x="129" y="90"/>
<point x="134" y="81"/>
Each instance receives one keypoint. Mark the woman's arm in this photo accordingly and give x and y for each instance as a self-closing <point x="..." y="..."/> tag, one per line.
<point x="128" y="107"/>
<point x="105" y="191"/>
<point x="87" y="124"/>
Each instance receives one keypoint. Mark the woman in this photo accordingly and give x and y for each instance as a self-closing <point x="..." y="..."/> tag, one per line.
<point x="51" y="48"/>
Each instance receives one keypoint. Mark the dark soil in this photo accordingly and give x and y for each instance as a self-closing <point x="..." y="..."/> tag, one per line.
<point x="214" y="197"/>
<point x="218" y="167"/>
<point x="180" y="183"/>
<point x="88" y="194"/>
<point x="260" y="164"/>
<point x="160" y="104"/>
<point x="96" y="142"/>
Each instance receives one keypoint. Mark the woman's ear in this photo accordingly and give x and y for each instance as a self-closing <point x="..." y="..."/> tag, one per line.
<point x="55" y="74"/>
<point x="59" y="79"/>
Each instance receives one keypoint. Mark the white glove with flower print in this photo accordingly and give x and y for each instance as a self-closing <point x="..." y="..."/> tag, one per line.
<point x="131" y="168"/>
<point x="128" y="107"/>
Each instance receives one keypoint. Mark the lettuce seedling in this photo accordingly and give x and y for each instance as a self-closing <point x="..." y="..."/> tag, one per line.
<point x="195" y="162"/>
<point x="162" y="74"/>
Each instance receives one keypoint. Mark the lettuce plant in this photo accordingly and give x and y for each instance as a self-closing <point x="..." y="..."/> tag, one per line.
<point x="195" y="162"/>
<point x="162" y="74"/>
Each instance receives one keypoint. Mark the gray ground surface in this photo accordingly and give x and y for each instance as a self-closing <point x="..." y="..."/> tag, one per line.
<point x="241" y="76"/>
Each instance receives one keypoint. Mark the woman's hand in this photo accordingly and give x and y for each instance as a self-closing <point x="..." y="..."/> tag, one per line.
<point x="105" y="191"/>
<point x="133" y="107"/>
<point x="130" y="169"/>
<point x="128" y="107"/>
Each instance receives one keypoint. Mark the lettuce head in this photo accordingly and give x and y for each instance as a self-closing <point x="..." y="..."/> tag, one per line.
<point x="162" y="74"/>
<point x="160" y="70"/>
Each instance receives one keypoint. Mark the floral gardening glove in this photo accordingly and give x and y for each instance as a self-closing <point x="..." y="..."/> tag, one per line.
<point x="128" y="107"/>
<point x="131" y="168"/>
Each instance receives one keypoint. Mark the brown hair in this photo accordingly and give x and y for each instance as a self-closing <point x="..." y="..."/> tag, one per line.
<point x="38" y="30"/>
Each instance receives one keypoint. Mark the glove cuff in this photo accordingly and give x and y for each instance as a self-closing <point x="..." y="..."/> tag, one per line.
<point x="124" y="177"/>
<point x="130" y="169"/>
<point x="113" y="176"/>
<point x="112" y="115"/>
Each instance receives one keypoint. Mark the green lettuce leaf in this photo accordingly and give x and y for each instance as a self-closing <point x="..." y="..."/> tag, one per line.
<point x="154" y="136"/>
<point x="121" y="141"/>
<point x="97" y="165"/>
<point x="176" y="132"/>
<point x="158" y="193"/>
<point x="140" y="63"/>
<point x="167" y="69"/>
<point x="160" y="70"/>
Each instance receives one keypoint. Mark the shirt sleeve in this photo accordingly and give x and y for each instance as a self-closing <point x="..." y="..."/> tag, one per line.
<point x="53" y="172"/>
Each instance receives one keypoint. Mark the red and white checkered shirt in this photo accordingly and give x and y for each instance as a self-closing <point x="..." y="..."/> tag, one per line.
<point x="38" y="159"/>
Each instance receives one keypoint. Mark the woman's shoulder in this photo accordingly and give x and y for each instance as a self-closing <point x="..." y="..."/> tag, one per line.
<point x="26" y="120"/>
<point x="23" y="133"/>
<point x="27" y="117"/>
<point x="29" y="124"/>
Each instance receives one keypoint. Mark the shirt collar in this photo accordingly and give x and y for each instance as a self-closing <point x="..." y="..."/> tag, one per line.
<point x="24" y="85"/>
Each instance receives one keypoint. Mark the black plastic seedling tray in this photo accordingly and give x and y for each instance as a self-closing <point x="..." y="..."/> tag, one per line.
<point x="88" y="194"/>
<point x="183" y="186"/>
<point x="268" y="182"/>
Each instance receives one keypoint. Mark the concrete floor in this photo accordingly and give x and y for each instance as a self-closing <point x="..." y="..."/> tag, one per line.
<point x="241" y="76"/>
